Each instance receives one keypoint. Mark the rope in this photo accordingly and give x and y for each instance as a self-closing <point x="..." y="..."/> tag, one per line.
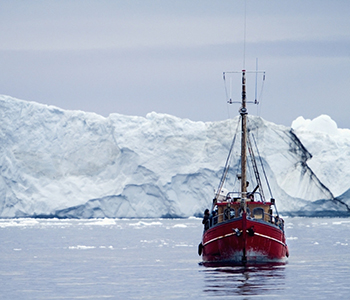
<point x="262" y="165"/>
<point x="227" y="164"/>
<point x="228" y="97"/>
<point x="255" y="167"/>
<point x="260" y="95"/>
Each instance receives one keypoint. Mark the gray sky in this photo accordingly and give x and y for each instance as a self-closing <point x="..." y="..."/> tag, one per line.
<point x="133" y="57"/>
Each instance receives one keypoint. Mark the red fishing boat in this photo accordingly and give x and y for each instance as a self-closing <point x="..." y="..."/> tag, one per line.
<point x="243" y="227"/>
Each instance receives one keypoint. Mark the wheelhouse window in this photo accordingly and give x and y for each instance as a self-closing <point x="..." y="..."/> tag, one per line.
<point x="258" y="213"/>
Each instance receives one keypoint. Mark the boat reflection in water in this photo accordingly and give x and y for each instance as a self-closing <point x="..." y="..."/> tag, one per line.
<point x="253" y="280"/>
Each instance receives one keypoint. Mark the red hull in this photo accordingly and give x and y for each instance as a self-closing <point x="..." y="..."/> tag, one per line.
<point x="244" y="240"/>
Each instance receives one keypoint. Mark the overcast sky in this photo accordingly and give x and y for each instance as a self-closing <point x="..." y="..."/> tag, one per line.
<point x="134" y="57"/>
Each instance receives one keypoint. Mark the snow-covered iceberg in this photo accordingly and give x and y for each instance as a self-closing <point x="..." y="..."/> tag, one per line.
<point x="60" y="163"/>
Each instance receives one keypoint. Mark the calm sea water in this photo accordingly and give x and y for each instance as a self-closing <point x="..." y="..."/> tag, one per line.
<point x="157" y="259"/>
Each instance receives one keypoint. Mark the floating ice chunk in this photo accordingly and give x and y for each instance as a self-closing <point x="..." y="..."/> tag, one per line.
<point x="19" y="223"/>
<point x="105" y="247"/>
<point x="141" y="224"/>
<point x="341" y="244"/>
<point x="81" y="247"/>
<point x="182" y="245"/>
<point x="180" y="226"/>
<point x="340" y="222"/>
<point x="103" y="222"/>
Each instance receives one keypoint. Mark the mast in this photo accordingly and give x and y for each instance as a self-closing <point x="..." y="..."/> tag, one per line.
<point x="244" y="112"/>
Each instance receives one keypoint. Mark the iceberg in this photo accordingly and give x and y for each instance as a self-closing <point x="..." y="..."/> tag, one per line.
<point x="74" y="164"/>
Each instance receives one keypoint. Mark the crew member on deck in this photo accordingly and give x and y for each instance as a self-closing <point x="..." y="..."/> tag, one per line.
<point x="205" y="220"/>
<point x="250" y="196"/>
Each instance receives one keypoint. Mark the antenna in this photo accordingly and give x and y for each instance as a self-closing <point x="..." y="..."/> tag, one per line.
<point x="229" y="90"/>
<point x="245" y="32"/>
<point x="228" y="77"/>
<point x="256" y="82"/>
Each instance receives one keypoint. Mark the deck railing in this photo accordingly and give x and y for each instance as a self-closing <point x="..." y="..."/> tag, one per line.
<point x="257" y="214"/>
<point x="237" y="196"/>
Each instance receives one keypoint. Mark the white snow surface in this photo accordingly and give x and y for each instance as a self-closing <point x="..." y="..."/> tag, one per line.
<point x="60" y="163"/>
<point x="330" y="149"/>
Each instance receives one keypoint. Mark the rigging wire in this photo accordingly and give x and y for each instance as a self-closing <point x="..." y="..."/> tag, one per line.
<point x="262" y="165"/>
<point x="261" y="94"/>
<point x="227" y="164"/>
<point x="250" y="176"/>
<point x="255" y="167"/>
<point x="228" y="96"/>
